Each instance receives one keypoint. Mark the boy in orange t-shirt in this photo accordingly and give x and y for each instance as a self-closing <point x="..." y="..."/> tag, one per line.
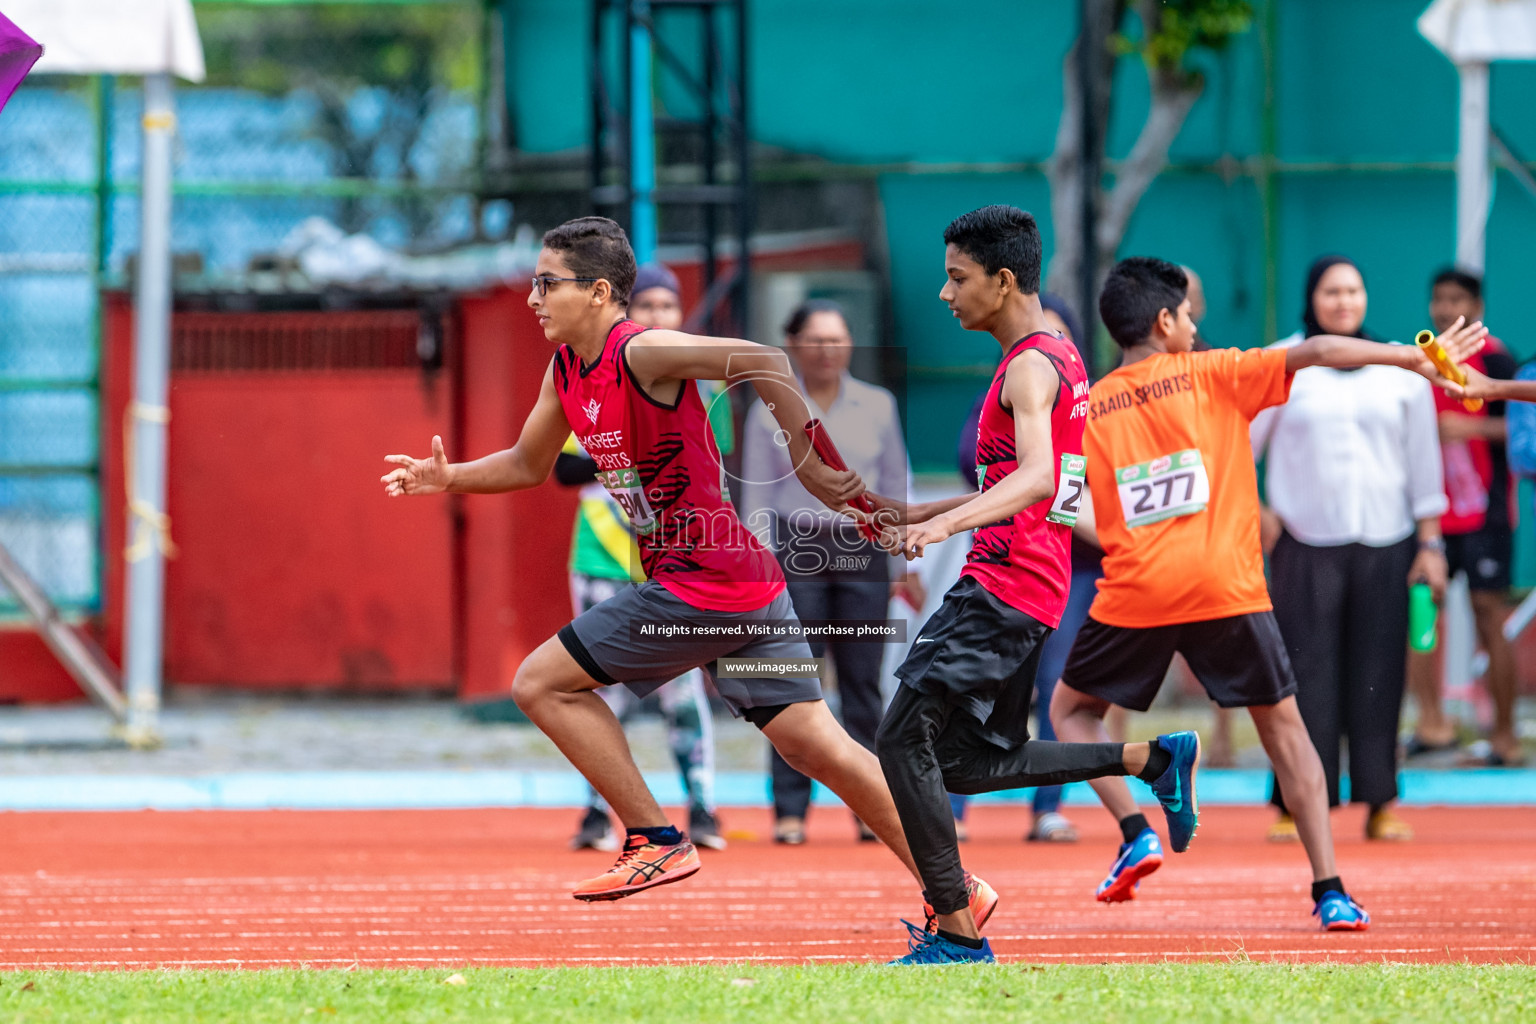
<point x="1176" y="505"/>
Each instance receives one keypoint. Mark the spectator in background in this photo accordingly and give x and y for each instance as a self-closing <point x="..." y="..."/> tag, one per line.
<point x="832" y="571"/>
<point x="1196" y="294"/>
<point x="1479" y="537"/>
<point x="1355" y="498"/>
<point x="603" y="560"/>
<point x="1050" y="825"/>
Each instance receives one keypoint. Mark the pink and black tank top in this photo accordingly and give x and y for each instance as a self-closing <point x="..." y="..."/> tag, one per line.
<point x="660" y="463"/>
<point x="1026" y="560"/>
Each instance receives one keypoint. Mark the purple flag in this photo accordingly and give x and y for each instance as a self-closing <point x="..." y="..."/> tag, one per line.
<point x="18" y="52"/>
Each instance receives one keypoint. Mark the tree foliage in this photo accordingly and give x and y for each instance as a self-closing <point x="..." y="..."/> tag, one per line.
<point x="404" y="59"/>
<point x="275" y="50"/>
<point x="1166" y="34"/>
<point x="1181" y="27"/>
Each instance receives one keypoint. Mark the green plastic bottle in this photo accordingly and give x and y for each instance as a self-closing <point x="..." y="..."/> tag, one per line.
<point x="1423" y="617"/>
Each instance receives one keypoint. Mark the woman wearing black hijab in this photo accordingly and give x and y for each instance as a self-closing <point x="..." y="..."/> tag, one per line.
<point x="1353" y="483"/>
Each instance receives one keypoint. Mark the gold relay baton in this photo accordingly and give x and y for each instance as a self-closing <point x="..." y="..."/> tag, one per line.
<point x="1431" y="347"/>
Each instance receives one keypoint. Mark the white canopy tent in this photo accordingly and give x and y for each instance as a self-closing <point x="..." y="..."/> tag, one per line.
<point x="156" y="39"/>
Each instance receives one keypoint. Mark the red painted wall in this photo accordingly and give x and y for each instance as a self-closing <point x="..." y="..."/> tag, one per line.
<point x="29" y="671"/>
<point x="516" y="546"/>
<point x="293" y="570"/>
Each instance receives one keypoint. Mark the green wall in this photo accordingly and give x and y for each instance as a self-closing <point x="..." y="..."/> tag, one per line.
<point x="964" y="100"/>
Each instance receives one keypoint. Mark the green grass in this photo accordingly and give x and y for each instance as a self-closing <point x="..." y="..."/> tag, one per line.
<point x="1164" y="993"/>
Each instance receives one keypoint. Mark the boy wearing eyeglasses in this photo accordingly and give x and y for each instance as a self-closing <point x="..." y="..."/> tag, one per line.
<point x="712" y="590"/>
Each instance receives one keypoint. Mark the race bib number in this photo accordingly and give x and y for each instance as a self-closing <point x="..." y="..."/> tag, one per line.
<point x="1069" y="491"/>
<point x="1168" y="486"/>
<point x="624" y="485"/>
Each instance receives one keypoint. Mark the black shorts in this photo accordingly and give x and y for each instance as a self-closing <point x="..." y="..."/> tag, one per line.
<point x="1241" y="661"/>
<point x="604" y="641"/>
<point x="980" y="653"/>
<point x="1484" y="555"/>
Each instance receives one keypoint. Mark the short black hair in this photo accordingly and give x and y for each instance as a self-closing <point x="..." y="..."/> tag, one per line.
<point x="596" y="247"/>
<point x="1136" y="290"/>
<point x="998" y="237"/>
<point x="1463" y="279"/>
<point x="803" y="312"/>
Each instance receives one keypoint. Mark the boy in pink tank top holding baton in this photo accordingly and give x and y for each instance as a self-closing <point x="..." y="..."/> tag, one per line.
<point x="959" y="722"/>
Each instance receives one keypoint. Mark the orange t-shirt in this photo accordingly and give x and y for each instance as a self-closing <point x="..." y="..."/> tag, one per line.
<point x="1174" y="488"/>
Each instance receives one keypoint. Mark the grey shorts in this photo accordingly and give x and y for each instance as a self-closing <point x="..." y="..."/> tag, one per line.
<point x="611" y="643"/>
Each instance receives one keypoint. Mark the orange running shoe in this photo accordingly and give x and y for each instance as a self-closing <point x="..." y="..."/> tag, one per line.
<point x="981" y="897"/>
<point x="642" y="865"/>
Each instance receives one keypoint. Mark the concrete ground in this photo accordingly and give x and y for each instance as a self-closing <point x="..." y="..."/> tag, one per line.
<point x="213" y="731"/>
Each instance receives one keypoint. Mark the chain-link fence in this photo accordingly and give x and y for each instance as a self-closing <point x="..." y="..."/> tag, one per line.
<point x="366" y="118"/>
<point x="49" y="507"/>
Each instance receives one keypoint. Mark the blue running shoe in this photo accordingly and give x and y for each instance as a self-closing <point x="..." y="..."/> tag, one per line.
<point x="1175" y="788"/>
<point x="1137" y="860"/>
<point x="1339" y="913"/>
<point x="925" y="947"/>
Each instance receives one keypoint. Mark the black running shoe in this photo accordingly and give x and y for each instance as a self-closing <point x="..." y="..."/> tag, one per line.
<point x="595" y="833"/>
<point x="704" y="829"/>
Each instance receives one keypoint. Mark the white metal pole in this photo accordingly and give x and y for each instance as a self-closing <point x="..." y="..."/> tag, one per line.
<point x="1473" y="180"/>
<point x="1473" y="194"/>
<point x="148" y="528"/>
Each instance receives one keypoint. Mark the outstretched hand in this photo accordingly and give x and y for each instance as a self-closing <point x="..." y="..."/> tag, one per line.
<point x="833" y="488"/>
<point x="1477" y="385"/>
<point x="418" y="476"/>
<point x="1459" y="341"/>
<point x="916" y="538"/>
<point x="1463" y="340"/>
<point x="886" y="511"/>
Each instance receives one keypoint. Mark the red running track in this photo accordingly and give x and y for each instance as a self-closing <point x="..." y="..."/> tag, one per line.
<point x="457" y="888"/>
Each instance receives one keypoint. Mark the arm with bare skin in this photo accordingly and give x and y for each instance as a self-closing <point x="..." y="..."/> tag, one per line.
<point x="1336" y="351"/>
<point x="526" y="464"/>
<point x="1481" y="386"/>
<point x="1458" y="426"/>
<point x="1459" y="345"/>
<point x="1086" y="529"/>
<point x="662" y="361"/>
<point x="1029" y="390"/>
<point x="894" y="512"/>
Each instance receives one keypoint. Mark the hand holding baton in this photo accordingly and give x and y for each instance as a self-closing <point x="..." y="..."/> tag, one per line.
<point x="821" y="444"/>
<point x="1431" y="347"/>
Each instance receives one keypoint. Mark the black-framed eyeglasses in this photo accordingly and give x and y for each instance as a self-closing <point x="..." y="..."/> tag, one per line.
<point x="542" y="282"/>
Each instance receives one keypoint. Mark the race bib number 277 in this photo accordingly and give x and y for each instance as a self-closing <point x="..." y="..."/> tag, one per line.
<point x="1165" y="487"/>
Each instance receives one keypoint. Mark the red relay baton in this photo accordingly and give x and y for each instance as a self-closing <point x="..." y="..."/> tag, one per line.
<point x="821" y="443"/>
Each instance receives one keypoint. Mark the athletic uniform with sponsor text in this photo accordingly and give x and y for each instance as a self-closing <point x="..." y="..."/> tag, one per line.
<point x="707" y="575"/>
<point x="1176" y="501"/>
<point x="959" y="720"/>
<point x="982" y="645"/>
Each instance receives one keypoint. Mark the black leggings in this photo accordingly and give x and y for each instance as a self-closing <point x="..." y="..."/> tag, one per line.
<point x="929" y="748"/>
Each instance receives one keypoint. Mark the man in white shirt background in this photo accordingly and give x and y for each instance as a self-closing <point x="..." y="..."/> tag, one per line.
<point x="832" y="571"/>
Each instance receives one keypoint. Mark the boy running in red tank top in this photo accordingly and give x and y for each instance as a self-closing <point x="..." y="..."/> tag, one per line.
<point x="711" y="588"/>
<point x="959" y="722"/>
